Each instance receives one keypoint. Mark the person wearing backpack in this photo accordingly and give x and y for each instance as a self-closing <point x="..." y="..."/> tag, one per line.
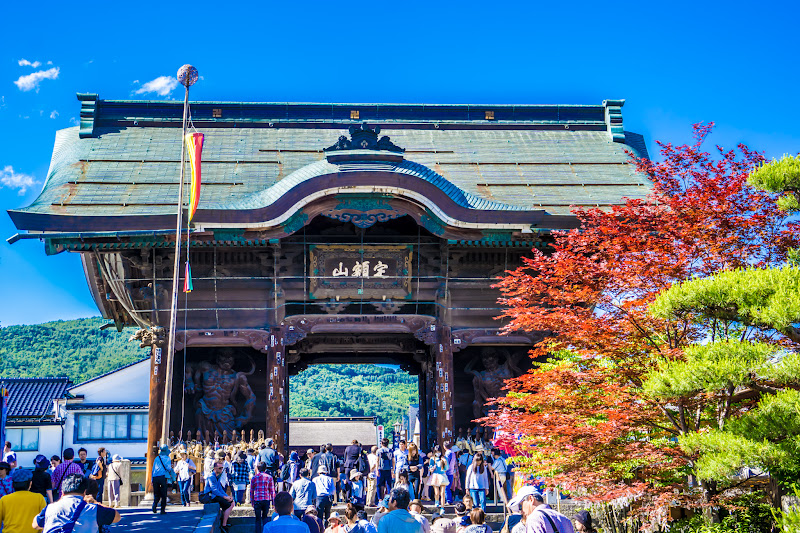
<point x="163" y="476"/>
<point x="269" y="456"/>
<point x="72" y="514"/>
<point x="384" y="469"/>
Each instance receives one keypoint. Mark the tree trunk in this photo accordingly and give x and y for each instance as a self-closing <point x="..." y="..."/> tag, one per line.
<point x="775" y="493"/>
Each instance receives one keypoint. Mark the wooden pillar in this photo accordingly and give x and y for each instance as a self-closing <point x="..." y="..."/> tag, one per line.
<point x="445" y="422"/>
<point x="277" y="392"/>
<point x="431" y="401"/>
<point x="424" y="409"/>
<point x="155" y="338"/>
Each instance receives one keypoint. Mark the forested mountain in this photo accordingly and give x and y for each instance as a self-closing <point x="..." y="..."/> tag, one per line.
<point x="352" y="390"/>
<point x="80" y="350"/>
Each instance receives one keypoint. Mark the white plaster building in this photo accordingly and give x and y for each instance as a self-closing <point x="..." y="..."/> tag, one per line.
<point x="109" y="411"/>
<point x="47" y="415"/>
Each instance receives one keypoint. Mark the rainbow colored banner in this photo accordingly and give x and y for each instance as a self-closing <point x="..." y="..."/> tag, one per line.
<point x="187" y="279"/>
<point x="194" y="143"/>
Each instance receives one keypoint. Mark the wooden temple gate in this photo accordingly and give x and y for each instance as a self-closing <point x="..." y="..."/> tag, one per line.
<point x="319" y="239"/>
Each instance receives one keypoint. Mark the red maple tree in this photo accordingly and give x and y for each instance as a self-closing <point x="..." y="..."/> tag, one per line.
<point x="579" y="418"/>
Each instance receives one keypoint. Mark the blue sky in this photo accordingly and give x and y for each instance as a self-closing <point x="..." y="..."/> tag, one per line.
<point x="675" y="63"/>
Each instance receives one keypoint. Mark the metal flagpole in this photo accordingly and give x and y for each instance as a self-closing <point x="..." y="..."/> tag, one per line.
<point x="187" y="76"/>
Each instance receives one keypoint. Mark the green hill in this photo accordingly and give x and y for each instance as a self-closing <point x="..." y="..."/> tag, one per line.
<point x="80" y="350"/>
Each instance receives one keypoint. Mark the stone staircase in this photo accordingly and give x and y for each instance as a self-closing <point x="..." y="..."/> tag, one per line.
<point x="242" y="519"/>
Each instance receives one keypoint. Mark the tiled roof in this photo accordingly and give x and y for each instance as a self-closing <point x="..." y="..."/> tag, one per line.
<point x="33" y="397"/>
<point x="126" y="159"/>
<point x="312" y="432"/>
<point x="106" y="406"/>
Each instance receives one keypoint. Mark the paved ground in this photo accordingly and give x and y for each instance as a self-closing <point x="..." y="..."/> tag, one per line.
<point x="142" y="520"/>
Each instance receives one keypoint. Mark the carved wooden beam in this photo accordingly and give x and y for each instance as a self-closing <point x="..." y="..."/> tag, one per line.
<point x="299" y="326"/>
<point x="254" y="338"/>
<point x="463" y="338"/>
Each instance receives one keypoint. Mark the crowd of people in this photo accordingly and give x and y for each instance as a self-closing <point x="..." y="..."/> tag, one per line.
<point x="58" y="494"/>
<point x="401" y="483"/>
<point x="385" y="478"/>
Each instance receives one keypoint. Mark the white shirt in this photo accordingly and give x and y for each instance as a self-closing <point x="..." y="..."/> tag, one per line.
<point x="426" y="526"/>
<point x="477" y="480"/>
<point x="373" y="464"/>
<point x="183" y="469"/>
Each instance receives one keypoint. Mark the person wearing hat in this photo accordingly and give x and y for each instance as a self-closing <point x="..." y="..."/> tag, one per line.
<point x="357" y="490"/>
<point x="114" y="479"/>
<point x="443" y="524"/>
<point x="583" y="522"/>
<point x="311" y="519"/>
<point x="383" y="510"/>
<point x="539" y="517"/>
<point x="41" y="482"/>
<point x="18" y="509"/>
<point x="416" y="509"/>
<point x="326" y="489"/>
<point x="6" y="486"/>
<point x="335" y="524"/>
<point x="162" y="477"/>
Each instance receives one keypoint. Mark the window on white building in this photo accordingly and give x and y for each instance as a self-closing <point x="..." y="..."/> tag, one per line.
<point x="115" y="427"/>
<point x="23" y="439"/>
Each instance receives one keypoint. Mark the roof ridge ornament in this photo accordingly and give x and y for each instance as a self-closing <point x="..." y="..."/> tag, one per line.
<point x="362" y="137"/>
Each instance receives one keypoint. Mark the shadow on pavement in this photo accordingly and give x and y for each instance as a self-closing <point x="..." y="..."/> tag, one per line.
<point x="142" y="520"/>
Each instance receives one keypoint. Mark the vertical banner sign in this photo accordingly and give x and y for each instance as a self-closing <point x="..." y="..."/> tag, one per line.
<point x="194" y="143"/>
<point x="3" y="413"/>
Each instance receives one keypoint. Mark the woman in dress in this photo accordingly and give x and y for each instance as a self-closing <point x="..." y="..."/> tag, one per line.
<point x="438" y="476"/>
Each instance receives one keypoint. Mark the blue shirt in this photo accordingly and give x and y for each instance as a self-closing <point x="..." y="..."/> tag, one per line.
<point x="304" y="493"/>
<point x="269" y="456"/>
<point x="162" y="466"/>
<point x="214" y="487"/>
<point x="326" y="485"/>
<point x="399" y="521"/>
<point x="286" y="524"/>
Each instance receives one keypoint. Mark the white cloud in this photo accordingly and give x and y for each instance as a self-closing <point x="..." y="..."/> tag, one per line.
<point x="26" y="63"/>
<point x="73" y="121"/>
<point x="162" y="86"/>
<point x="32" y="81"/>
<point x="16" y="180"/>
<point x="54" y="114"/>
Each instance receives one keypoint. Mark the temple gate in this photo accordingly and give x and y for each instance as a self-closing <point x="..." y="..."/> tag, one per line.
<point x="321" y="238"/>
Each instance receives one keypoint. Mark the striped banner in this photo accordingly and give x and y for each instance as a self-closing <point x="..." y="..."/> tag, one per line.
<point x="194" y="143"/>
<point x="187" y="279"/>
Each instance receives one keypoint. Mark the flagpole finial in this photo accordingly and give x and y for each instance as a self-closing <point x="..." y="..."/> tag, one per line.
<point x="187" y="75"/>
